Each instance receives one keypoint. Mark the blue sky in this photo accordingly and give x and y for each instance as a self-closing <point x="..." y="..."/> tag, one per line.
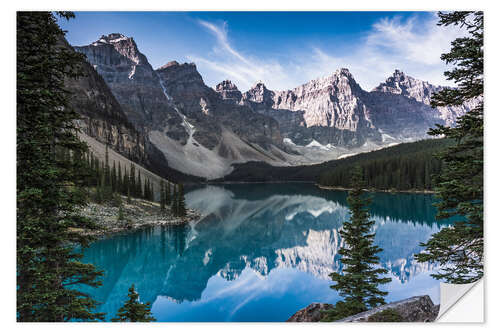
<point x="281" y="49"/>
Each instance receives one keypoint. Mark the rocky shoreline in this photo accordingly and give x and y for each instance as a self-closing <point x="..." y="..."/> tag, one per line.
<point x="339" y="188"/>
<point x="137" y="214"/>
<point x="413" y="309"/>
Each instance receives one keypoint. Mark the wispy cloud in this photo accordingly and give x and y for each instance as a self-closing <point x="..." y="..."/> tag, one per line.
<point x="413" y="45"/>
<point x="244" y="70"/>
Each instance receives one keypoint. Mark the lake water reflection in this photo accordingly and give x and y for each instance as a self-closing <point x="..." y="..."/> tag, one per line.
<point x="260" y="253"/>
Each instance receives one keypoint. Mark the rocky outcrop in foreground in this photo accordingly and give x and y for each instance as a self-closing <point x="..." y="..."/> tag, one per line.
<point x="311" y="313"/>
<point x="413" y="309"/>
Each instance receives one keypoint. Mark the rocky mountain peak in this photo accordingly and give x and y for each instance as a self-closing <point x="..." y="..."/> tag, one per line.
<point x="226" y="85"/>
<point x="259" y="94"/>
<point x="180" y="73"/>
<point x="228" y="91"/>
<point x="122" y="44"/>
<point x="112" y="38"/>
<point x="169" y="64"/>
<point x="343" y="71"/>
<point x="401" y="84"/>
<point x="183" y="82"/>
<point x="420" y="91"/>
<point x="398" y="74"/>
<point x="131" y="79"/>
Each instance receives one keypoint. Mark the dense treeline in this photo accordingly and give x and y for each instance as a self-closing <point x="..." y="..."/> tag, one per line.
<point x="411" y="167"/>
<point x="403" y="167"/>
<point x="112" y="181"/>
<point x="106" y="183"/>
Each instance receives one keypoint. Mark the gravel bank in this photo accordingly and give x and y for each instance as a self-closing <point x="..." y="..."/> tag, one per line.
<point x="136" y="214"/>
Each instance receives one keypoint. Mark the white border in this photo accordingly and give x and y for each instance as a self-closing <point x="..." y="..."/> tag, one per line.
<point x="7" y="121"/>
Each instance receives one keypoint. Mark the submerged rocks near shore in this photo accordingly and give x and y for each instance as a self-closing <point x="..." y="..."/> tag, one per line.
<point x="137" y="214"/>
<point x="413" y="309"/>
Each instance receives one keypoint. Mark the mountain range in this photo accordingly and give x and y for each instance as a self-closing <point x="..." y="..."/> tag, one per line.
<point x="169" y="120"/>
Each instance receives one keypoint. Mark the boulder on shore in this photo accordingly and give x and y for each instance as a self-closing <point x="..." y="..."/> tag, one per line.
<point x="311" y="313"/>
<point x="413" y="309"/>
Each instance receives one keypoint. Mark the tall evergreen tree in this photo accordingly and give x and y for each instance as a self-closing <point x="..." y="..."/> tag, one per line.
<point x="132" y="182"/>
<point x="107" y="173"/>
<point x="138" y="189"/>
<point x="162" y="196"/>
<point x="174" y="201"/>
<point x="146" y="188"/>
<point x="133" y="310"/>
<point x="126" y="182"/>
<point x="119" y="177"/>
<point x="47" y="187"/>
<point x="167" y="194"/>
<point x="151" y="191"/>
<point x="459" y="248"/>
<point x="114" y="180"/>
<point x="181" y="204"/>
<point x="359" y="280"/>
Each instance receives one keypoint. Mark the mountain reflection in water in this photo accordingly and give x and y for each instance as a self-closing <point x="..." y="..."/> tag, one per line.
<point x="260" y="253"/>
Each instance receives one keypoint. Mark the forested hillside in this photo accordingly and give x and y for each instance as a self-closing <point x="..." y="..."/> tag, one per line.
<point x="402" y="167"/>
<point x="408" y="166"/>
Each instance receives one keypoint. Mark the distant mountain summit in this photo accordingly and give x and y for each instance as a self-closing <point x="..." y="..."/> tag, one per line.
<point x="228" y="91"/>
<point x="203" y="131"/>
<point x="421" y="91"/>
<point x="187" y="121"/>
<point x="134" y="83"/>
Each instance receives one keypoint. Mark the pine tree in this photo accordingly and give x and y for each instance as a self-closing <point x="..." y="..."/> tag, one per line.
<point x="181" y="205"/>
<point x="129" y="200"/>
<point x="48" y="263"/>
<point x="162" y="196"/>
<point x="167" y="194"/>
<point x="121" y="214"/>
<point x="138" y="189"/>
<point x="132" y="182"/>
<point x="119" y="184"/>
<point x="459" y="186"/>
<point x="107" y="173"/>
<point x="174" y="201"/>
<point x="150" y="191"/>
<point x="133" y="310"/>
<point x="114" y="178"/>
<point x="125" y="182"/>
<point x="359" y="280"/>
<point x="146" y="189"/>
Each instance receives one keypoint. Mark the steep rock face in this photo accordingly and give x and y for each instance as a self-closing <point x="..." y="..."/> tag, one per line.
<point x="189" y="124"/>
<point x="329" y="110"/>
<point x="332" y="101"/>
<point x="220" y="132"/>
<point x="134" y="83"/>
<point x="335" y="110"/>
<point x="421" y="91"/>
<point x="103" y="119"/>
<point x="206" y="108"/>
<point x="203" y="131"/>
<point x="102" y="116"/>
<point x="184" y="88"/>
<point x="229" y="92"/>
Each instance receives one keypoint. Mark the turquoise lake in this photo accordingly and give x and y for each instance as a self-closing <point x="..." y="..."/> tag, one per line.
<point x="260" y="253"/>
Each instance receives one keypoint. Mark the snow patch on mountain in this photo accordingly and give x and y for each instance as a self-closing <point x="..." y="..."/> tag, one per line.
<point x="387" y="137"/>
<point x="316" y="144"/>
